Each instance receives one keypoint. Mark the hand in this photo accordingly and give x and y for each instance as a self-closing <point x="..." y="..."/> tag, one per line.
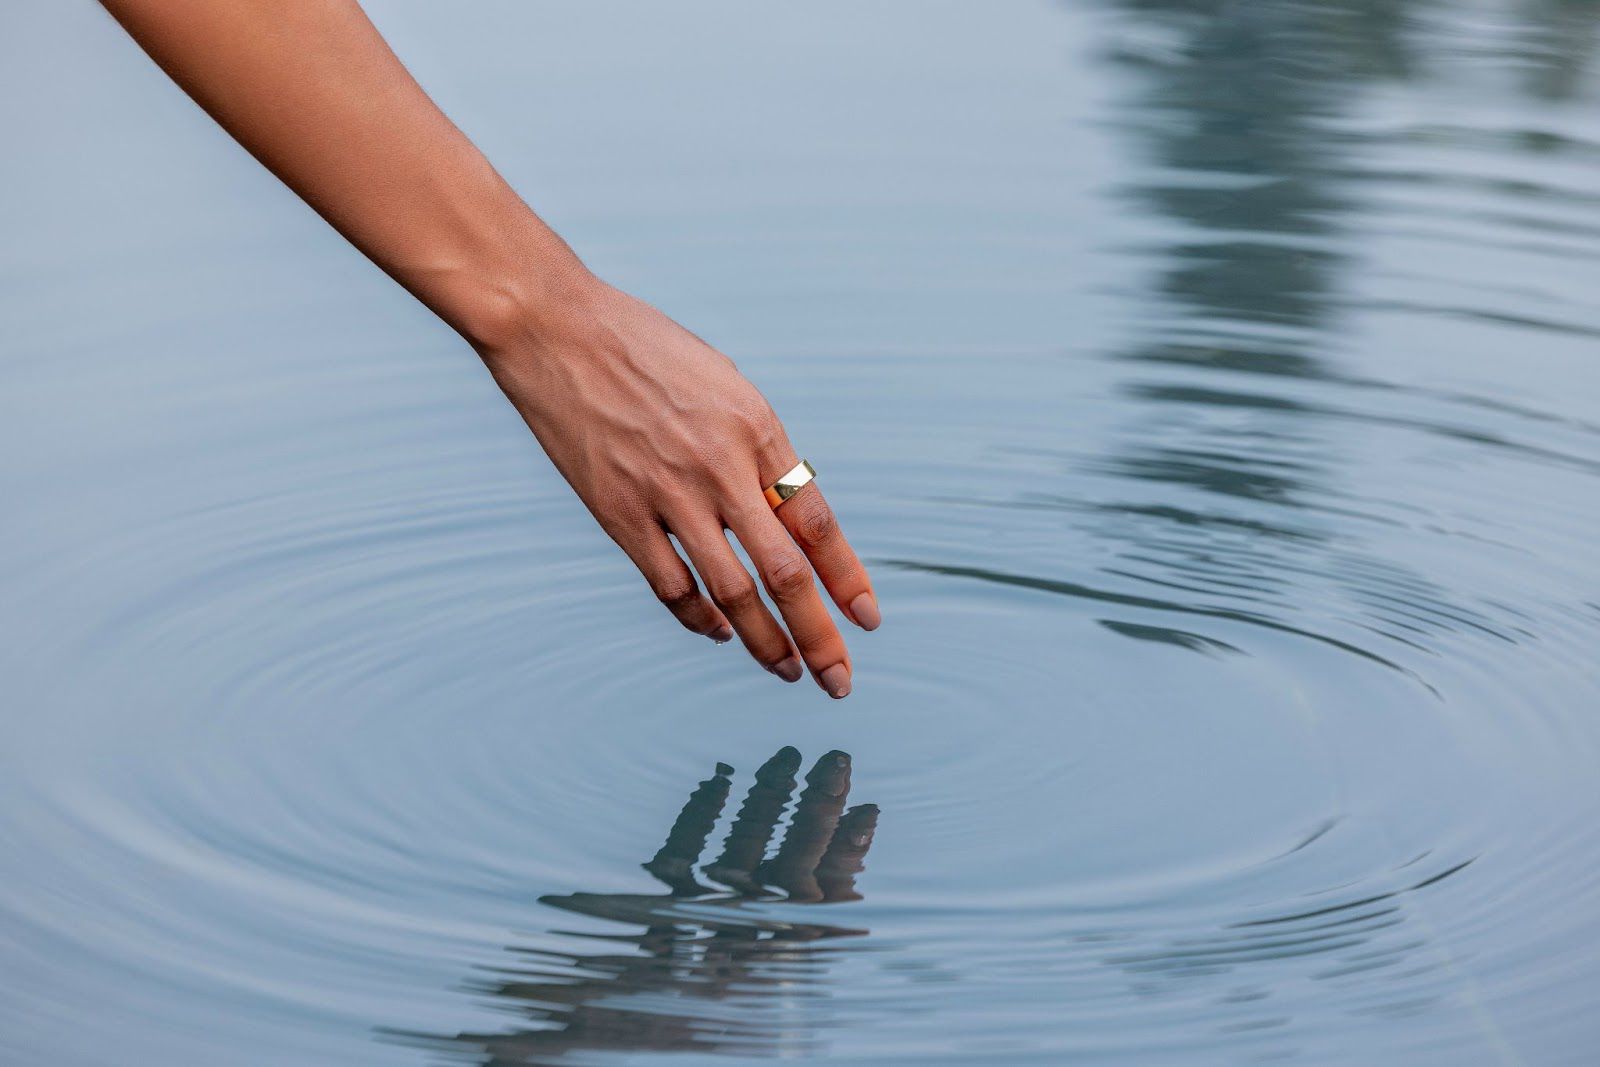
<point x="659" y="433"/>
<point x="656" y="431"/>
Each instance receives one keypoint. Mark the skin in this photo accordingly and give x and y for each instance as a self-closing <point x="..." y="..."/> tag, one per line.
<point x="657" y="431"/>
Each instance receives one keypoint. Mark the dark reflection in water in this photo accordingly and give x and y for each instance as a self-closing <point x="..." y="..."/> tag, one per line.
<point x="1245" y="106"/>
<point x="1560" y="38"/>
<point x="1246" y="113"/>
<point x="1238" y="113"/>
<point x="686" y="980"/>
<point x="1235" y="109"/>
<point x="1230" y="480"/>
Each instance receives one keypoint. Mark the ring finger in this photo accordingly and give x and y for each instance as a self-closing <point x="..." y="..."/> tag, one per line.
<point x="788" y="578"/>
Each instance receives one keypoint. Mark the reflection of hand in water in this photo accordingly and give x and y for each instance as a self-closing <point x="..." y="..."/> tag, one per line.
<point x="817" y="862"/>
<point x="708" y="973"/>
<point x="820" y="855"/>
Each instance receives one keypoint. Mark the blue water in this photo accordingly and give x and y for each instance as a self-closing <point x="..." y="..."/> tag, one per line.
<point x="1212" y="388"/>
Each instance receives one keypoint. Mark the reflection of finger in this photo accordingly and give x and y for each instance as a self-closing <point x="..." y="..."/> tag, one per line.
<point x="793" y="869"/>
<point x="674" y="862"/>
<point x="757" y="819"/>
<point x="847" y="853"/>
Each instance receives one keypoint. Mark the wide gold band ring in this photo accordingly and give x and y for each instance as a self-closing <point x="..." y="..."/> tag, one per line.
<point x="790" y="483"/>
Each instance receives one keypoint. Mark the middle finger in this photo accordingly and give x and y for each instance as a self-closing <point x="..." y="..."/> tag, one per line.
<point x="788" y="577"/>
<point x="731" y="588"/>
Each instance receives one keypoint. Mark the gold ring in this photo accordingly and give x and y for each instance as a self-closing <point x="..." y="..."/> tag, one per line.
<point x="790" y="483"/>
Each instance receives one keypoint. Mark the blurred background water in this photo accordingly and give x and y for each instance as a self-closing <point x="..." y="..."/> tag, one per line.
<point x="1211" y="385"/>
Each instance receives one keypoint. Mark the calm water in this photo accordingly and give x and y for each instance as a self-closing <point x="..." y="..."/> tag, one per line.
<point x="1212" y="385"/>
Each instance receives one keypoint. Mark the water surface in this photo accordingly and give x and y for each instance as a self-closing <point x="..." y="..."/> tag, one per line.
<point x="1211" y="386"/>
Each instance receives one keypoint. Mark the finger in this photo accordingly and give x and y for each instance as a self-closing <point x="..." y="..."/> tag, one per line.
<point x="788" y="578"/>
<point x="816" y="817"/>
<point x="673" y="863"/>
<point x="733" y="591"/>
<point x="753" y="827"/>
<point x="810" y="521"/>
<point x="847" y="853"/>
<point x="673" y="584"/>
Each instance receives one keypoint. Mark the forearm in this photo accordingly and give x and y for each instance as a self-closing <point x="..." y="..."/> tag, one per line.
<point x="313" y="92"/>
<point x="656" y="431"/>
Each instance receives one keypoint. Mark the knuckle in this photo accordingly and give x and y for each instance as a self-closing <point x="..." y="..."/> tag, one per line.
<point x="752" y="409"/>
<point x="767" y="438"/>
<point x="815" y="525"/>
<point x="735" y="593"/>
<point x="788" y="577"/>
<point x="760" y="422"/>
<point x="678" y="594"/>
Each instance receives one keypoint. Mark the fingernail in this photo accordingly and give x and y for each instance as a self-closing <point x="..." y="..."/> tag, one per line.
<point x="722" y="634"/>
<point x="836" y="681"/>
<point x="788" y="669"/>
<point x="864" y="609"/>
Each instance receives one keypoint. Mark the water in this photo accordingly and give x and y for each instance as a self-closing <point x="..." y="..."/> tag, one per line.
<point x="1211" y="387"/>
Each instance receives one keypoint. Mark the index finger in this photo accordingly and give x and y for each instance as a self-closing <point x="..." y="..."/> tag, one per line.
<point x="810" y="521"/>
<point x="674" y="862"/>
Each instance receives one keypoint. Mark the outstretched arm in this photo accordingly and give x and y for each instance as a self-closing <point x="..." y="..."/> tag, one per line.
<point x="655" y="430"/>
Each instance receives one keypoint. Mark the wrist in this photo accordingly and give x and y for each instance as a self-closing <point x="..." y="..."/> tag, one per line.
<point x="501" y="312"/>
